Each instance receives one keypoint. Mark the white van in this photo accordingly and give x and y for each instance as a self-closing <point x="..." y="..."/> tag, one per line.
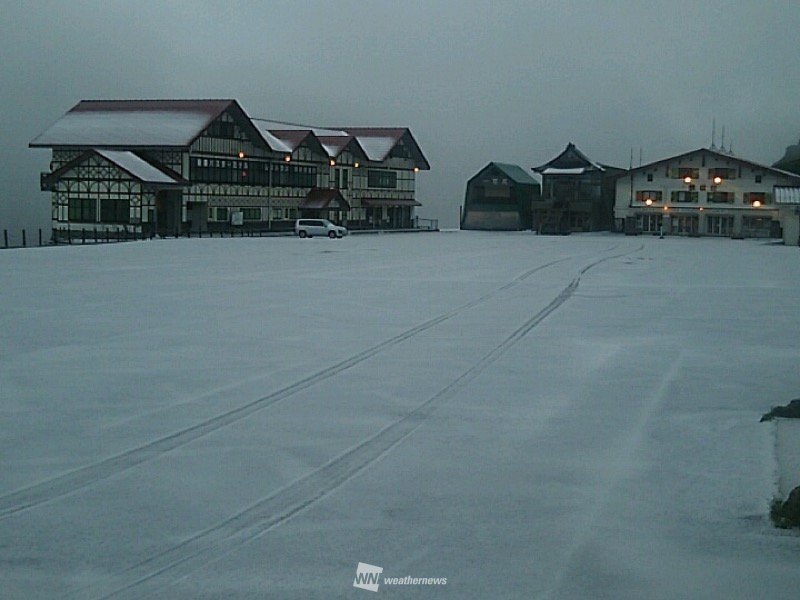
<point x="312" y="227"/>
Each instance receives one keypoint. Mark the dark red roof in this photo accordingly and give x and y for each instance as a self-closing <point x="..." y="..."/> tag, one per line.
<point x="323" y="197"/>
<point x="211" y="107"/>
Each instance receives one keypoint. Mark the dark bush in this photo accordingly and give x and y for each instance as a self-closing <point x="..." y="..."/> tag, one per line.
<point x="786" y="514"/>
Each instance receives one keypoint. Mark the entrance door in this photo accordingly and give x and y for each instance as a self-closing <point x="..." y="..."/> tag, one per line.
<point x="168" y="212"/>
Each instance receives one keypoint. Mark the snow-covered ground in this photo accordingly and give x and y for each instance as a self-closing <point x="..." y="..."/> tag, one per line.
<point x="529" y="417"/>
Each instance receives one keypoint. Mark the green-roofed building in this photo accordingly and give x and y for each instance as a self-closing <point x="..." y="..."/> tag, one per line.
<point x="499" y="198"/>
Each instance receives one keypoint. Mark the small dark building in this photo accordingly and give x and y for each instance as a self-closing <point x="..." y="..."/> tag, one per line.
<point x="499" y="198"/>
<point x="577" y="194"/>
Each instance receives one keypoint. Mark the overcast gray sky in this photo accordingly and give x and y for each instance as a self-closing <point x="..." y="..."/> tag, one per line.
<point x="475" y="81"/>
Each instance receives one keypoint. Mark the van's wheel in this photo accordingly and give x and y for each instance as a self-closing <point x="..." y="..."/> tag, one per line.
<point x="332" y="235"/>
<point x="302" y="233"/>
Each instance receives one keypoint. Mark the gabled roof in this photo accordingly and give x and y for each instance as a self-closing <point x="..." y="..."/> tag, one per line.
<point x="719" y="154"/>
<point x="125" y="124"/>
<point x="270" y="124"/>
<point x="323" y="197"/>
<point x="292" y="138"/>
<point x="133" y="164"/>
<point x="378" y="142"/>
<point x="133" y="123"/>
<point x="138" y="168"/>
<point x="336" y="144"/>
<point x="515" y="173"/>
<point x="570" y="162"/>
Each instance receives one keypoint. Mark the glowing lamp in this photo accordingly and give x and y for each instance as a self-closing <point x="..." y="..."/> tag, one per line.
<point x="287" y="158"/>
<point x="717" y="180"/>
<point x="756" y="203"/>
<point x="241" y="154"/>
<point x="648" y="201"/>
<point x="687" y="179"/>
<point x="416" y="169"/>
<point x="356" y="165"/>
<point x="332" y="162"/>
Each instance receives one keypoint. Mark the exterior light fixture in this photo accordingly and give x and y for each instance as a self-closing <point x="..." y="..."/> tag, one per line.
<point x="287" y="158"/>
<point x="648" y="201"/>
<point x="416" y="169"/>
<point x="356" y="164"/>
<point x="756" y="203"/>
<point x="687" y="179"/>
<point x="717" y="180"/>
<point x="241" y="154"/>
<point x="702" y="209"/>
<point x="333" y="163"/>
<point x="666" y="208"/>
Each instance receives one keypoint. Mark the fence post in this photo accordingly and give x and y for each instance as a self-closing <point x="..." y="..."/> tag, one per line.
<point x="5" y="237"/>
<point x="83" y="235"/>
<point x="40" y="236"/>
<point x="24" y="240"/>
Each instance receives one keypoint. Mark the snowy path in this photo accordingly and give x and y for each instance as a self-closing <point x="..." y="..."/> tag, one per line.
<point x="553" y="417"/>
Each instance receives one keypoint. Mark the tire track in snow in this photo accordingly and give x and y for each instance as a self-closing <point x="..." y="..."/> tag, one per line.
<point x="73" y="481"/>
<point x="153" y="574"/>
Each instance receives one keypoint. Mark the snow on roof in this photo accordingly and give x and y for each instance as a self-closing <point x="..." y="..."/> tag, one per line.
<point x="272" y="140"/>
<point x="570" y="158"/>
<point x="787" y="195"/>
<point x="334" y="145"/>
<point x="376" y="148"/>
<point x="281" y="126"/>
<point x="291" y="138"/>
<point x="377" y="142"/>
<point x="555" y="171"/>
<point x="177" y="123"/>
<point x="136" y="166"/>
<point x="132" y="123"/>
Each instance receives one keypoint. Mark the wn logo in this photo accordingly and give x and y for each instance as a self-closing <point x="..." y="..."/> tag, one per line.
<point x="367" y="577"/>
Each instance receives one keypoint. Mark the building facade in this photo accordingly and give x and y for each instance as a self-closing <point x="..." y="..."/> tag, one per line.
<point x="499" y="198"/>
<point x="788" y="198"/>
<point x="577" y="194"/>
<point x="703" y="192"/>
<point x="171" y="166"/>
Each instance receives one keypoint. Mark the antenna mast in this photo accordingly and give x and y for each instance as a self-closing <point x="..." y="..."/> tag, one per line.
<point x="713" y="134"/>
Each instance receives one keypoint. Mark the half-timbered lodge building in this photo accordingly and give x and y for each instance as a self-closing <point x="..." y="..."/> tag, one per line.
<point x="171" y="166"/>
